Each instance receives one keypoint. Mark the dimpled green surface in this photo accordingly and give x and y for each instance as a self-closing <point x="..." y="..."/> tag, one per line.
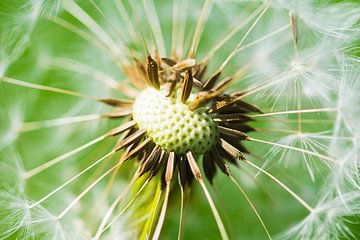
<point x="171" y="124"/>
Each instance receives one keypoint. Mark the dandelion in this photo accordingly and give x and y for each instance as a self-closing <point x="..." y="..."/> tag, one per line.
<point x="124" y="110"/>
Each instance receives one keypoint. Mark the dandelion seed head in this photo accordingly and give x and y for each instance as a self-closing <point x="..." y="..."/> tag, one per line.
<point x="179" y="117"/>
<point x="171" y="124"/>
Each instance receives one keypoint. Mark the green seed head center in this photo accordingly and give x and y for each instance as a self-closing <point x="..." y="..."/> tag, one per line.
<point x="171" y="124"/>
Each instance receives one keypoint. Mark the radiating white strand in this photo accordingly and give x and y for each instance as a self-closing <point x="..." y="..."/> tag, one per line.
<point x="83" y="193"/>
<point x="154" y="22"/>
<point x="232" y="32"/>
<point x="42" y="167"/>
<point x="82" y="68"/>
<point x="31" y="126"/>
<point x="86" y="36"/>
<point x="113" y="206"/>
<point x="125" y="16"/>
<point x="43" y="88"/>
<point x="321" y="156"/>
<point x="235" y="51"/>
<point x="200" y="27"/>
<point x="123" y="210"/>
<point x="71" y="179"/>
<point x="94" y="27"/>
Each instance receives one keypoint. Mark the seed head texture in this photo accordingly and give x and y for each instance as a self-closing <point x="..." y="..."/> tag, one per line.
<point x="171" y="124"/>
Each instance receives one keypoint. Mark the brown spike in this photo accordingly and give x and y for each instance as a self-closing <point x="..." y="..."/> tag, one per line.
<point x="200" y="99"/>
<point x="193" y="165"/>
<point x="203" y="98"/>
<point x="184" y="65"/>
<point x="138" y="149"/>
<point x="122" y="128"/>
<point x="170" y="167"/>
<point x="293" y="24"/>
<point x="219" y="105"/>
<point x="231" y="109"/>
<point x="209" y="166"/>
<point x="187" y="86"/>
<point x="129" y="132"/>
<point x="238" y="126"/>
<point x="116" y="102"/>
<point x="232" y="132"/>
<point x="171" y="88"/>
<point x="189" y="174"/>
<point x="131" y="139"/>
<point x="228" y="101"/>
<point x="159" y="163"/>
<point x="235" y="143"/>
<point x="232" y="118"/>
<point x="220" y="162"/>
<point x="162" y="179"/>
<point x="182" y="171"/>
<point x="126" y="152"/>
<point x="118" y="113"/>
<point x="152" y="71"/>
<point x="168" y="61"/>
<point x="247" y="107"/>
<point x="143" y="156"/>
<point x="223" y="83"/>
<point x="237" y="94"/>
<point x="231" y="149"/>
<point x="197" y="83"/>
<point x="200" y="70"/>
<point x="150" y="161"/>
<point x="225" y="155"/>
<point x="211" y="81"/>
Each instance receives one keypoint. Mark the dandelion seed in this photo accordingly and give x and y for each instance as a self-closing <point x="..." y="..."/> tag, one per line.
<point x="277" y="86"/>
